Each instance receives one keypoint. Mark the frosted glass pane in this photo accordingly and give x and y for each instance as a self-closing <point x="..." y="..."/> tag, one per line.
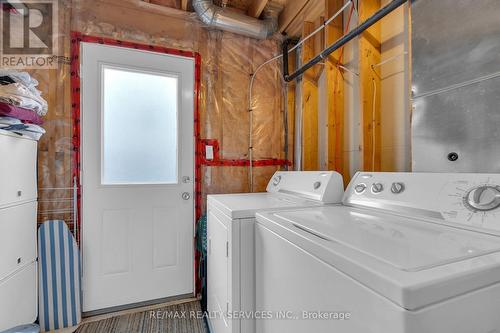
<point x="139" y="127"/>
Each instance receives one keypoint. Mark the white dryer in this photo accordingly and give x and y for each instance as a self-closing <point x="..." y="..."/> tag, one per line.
<point x="407" y="253"/>
<point x="230" y="233"/>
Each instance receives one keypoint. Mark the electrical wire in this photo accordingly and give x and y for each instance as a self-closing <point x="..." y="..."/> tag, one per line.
<point x="347" y="28"/>
<point x="389" y="59"/>
<point x="321" y="27"/>
<point x="250" y="111"/>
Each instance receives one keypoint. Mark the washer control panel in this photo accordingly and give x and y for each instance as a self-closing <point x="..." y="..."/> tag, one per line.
<point x="471" y="200"/>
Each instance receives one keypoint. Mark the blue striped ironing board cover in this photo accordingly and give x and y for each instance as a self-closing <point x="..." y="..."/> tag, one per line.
<point x="59" y="279"/>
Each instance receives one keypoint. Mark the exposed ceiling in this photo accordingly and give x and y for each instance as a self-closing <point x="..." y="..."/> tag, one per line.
<point x="291" y="19"/>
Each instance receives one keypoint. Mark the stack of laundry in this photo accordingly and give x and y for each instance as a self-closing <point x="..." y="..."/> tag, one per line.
<point x="21" y="104"/>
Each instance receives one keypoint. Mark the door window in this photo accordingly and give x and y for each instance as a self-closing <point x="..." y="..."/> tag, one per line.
<point x="140" y="122"/>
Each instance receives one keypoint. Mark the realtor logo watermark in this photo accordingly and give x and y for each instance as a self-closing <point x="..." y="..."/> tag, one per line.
<point x="29" y="34"/>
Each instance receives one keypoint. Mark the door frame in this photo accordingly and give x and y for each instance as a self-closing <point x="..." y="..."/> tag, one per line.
<point x="76" y="39"/>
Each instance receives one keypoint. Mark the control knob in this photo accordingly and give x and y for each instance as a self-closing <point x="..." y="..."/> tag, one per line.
<point x="397" y="188"/>
<point x="483" y="198"/>
<point x="360" y="188"/>
<point x="377" y="187"/>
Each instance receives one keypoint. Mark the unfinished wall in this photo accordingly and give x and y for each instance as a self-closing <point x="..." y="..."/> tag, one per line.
<point x="364" y="125"/>
<point x="55" y="152"/>
<point x="227" y="62"/>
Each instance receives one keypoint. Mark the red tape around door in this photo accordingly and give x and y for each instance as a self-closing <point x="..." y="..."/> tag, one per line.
<point x="76" y="39"/>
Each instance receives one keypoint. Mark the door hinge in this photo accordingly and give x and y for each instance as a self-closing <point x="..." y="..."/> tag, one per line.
<point x="227" y="249"/>
<point x="80" y="74"/>
<point x="227" y="307"/>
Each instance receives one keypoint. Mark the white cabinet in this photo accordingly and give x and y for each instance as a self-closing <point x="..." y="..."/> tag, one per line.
<point x="17" y="237"/>
<point x="18" y="209"/>
<point x="17" y="169"/>
<point x="19" y="298"/>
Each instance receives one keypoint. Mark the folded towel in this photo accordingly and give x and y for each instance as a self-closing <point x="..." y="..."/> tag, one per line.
<point x="7" y="121"/>
<point x="17" y="127"/>
<point x="31" y="135"/>
<point x="6" y="80"/>
<point x="20" y="77"/>
<point x="19" y="95"/>
<point x="25" y="115"/>
<point x="32" y="131"/>
<point x="34" y="128"/>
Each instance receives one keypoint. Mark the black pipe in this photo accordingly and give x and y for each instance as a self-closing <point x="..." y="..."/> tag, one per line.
<point x="285" y="56"/>
<point x="347" y="38"/>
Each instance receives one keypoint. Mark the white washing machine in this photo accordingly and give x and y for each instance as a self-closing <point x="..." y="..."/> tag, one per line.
<point x="407" y="253"/>
<point x="230" y="232"/>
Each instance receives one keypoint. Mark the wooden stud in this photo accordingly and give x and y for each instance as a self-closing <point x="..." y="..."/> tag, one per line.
<point x="255" y="8"/>
<point x="310" y="12"/>
<point x="370" y="85"/>
<point x="318" y="42"/>
<point x="309" y="105"/>
<point x="335" y="91"/>
<point x="184" y="5"/>
<point x="291" y="86"/>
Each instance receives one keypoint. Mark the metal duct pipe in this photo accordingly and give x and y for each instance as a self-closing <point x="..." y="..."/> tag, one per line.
<point x="227" y="20"/>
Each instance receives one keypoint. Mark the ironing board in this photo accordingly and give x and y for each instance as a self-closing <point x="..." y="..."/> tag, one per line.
<point x="59" y="277"/>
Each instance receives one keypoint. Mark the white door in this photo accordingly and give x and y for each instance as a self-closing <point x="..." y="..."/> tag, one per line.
<point x="137" y="176"/>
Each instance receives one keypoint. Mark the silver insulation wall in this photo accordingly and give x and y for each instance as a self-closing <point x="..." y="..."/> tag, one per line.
<point x="456" y="85"/>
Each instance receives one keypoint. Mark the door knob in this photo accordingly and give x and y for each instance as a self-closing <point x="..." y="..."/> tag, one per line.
<point x="186" y="196"/>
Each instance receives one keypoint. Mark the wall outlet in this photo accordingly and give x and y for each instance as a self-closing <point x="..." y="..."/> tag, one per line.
<point x="209" y="153"/>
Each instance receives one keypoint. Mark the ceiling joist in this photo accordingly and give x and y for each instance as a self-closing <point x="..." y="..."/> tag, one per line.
<point x="256" y="8"/>
<point x="291" y="10"/>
